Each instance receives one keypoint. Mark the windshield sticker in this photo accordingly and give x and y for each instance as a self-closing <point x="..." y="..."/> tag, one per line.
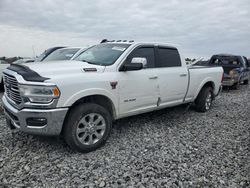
<point x="118" y="48"/>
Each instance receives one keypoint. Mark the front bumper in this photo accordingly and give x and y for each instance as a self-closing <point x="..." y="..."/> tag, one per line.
<point x="27" y="120"/>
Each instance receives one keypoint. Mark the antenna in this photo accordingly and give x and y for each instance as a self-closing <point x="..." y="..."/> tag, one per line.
<point x="33" y="48"/>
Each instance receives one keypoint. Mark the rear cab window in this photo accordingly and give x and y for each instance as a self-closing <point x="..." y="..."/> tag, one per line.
<point x="168" y="57"/>
<point x="246" y="62"/>
<point x="232" y="61"/>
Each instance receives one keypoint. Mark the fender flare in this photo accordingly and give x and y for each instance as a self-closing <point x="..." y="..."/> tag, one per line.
<point x="202" y="85"/>
<point x="90" y="92"/>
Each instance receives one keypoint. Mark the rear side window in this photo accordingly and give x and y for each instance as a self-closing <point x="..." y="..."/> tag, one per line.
<point x="146" y="52"/>
<point x="168" y="57"/>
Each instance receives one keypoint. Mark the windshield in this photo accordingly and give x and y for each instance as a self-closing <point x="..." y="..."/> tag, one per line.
<point x="61" y="54"/>
<point x="103" y="54"/>
<point x="40" y="57"/>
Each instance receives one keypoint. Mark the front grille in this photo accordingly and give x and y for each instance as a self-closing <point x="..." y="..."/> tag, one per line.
<point x="11" y="88"/>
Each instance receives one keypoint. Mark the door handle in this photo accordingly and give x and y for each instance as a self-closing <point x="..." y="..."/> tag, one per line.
<point x="183" y="75"/>
<point x="153" y="77"/>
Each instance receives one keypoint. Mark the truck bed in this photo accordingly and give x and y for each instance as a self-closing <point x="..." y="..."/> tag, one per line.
<point x="198" y="75"/>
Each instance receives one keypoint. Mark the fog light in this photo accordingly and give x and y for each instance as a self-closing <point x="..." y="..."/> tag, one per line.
<point x="36" y="122"/>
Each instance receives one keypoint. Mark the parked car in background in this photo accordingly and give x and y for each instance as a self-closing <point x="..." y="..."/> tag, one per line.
<point x="201" y="63"/>
<point x="3" y="66"/>
<point x="80" y="99"/>
<point x="21" y="61"/>
<point x="67" y="53"/>
<point x="236" y="69"/>
<point x="47" y="52"/>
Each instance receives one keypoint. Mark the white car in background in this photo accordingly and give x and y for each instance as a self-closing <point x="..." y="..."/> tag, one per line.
<point x="67" y="53"/>
<point x="24" y="60"/>
<point x="3" y="66"/>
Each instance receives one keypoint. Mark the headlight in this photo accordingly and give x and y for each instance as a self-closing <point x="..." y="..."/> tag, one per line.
<point x="39" y="94"/>
<point x="233" y="73"/>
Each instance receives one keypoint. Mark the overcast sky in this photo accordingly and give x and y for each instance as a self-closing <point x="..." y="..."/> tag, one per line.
<point x="201" y="27"/>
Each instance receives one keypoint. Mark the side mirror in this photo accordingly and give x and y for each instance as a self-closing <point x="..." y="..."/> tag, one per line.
<point x="137" y="63"/>
<point x="131" y="67"/>
<point x="141" y="60"/>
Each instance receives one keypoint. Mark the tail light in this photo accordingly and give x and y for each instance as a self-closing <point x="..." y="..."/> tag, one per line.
<point x="222" y="77"/>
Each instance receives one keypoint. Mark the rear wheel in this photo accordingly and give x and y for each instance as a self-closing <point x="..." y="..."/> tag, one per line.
<point x="204" y="100"/>
<point x="245" y="82"/>
<point x="87" y="127"/>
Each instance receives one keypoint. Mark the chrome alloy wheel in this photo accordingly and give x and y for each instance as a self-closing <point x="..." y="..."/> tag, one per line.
<point x="90" y="129"/>
<point x="208" y="101"/>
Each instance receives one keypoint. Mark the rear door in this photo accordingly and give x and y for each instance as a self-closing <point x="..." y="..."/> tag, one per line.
<point x="139" y="89"/>
<point x="172" y="76"/>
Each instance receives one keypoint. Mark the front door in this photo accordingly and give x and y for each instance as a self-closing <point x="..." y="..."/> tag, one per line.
<point x="139" y="90"/>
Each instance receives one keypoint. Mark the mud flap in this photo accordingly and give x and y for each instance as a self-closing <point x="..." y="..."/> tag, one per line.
<point x="9" y="124"/>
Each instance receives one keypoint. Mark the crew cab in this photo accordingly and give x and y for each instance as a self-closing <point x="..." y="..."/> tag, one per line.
<point x="236" y="69"/>
<point x="80" y="99"/>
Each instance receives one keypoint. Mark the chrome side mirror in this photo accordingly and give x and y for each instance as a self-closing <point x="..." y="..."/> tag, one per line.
<point x="141" y="60"/>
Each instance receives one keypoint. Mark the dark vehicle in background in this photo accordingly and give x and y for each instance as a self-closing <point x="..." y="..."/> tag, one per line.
<point x="47" y="52"/>
<point x="236" y="69"/>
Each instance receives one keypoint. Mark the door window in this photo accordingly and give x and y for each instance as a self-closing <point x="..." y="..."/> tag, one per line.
<point x="168" y="57"/>
<point x="146" y="52"/>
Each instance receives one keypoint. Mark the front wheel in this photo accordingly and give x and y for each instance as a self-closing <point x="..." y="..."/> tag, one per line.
<point x="2" y="85"/>
<point x="87" y="127"/>
<point x="204" y="100"/>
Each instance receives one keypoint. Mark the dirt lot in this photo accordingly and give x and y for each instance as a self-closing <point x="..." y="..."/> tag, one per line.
<point x="171" y="148"/>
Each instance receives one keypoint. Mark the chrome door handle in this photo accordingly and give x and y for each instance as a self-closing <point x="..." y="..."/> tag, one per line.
<point x="183" y="75"/>
<point x="153" y="77"/>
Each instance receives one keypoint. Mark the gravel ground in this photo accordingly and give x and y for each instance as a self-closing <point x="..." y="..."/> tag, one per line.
<point x="171" y="148"/>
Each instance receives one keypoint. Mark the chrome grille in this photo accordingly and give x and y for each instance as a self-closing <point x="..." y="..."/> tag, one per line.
<point x="11" y="88"/>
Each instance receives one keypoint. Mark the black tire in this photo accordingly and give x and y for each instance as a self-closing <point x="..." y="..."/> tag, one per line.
<point x="1" y="85"/>
<point x="200" y="102"/>
<point x="245" y="82"/>
<point x="236" y="86"/>
<point x="72" y="124"/>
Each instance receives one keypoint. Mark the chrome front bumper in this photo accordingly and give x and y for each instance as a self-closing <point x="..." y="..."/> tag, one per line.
<point x="26" y="119"/>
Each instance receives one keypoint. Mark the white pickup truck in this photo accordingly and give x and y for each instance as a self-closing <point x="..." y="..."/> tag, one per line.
<point x="80" y="99"/>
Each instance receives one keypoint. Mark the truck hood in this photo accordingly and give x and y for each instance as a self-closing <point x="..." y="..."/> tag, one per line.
<point x="57" y="68"/>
